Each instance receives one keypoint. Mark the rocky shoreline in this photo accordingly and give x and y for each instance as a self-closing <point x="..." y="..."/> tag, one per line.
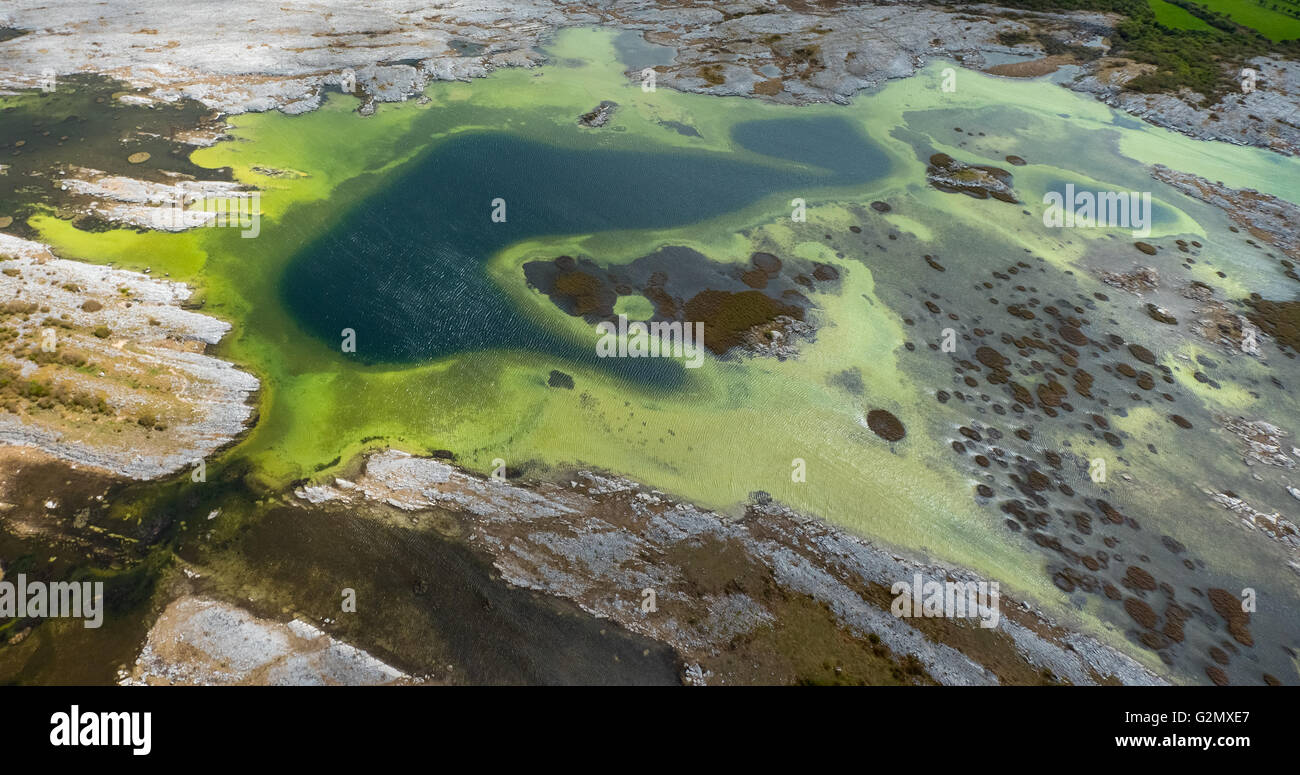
<point x="720" y="586"/>
<point x="1268" y="117"/>
<point x="278" y="59"/>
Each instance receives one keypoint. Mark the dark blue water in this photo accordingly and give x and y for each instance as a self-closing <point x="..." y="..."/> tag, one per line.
<point x="405" y="269"/>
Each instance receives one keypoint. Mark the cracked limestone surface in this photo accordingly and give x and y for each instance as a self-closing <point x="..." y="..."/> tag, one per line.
<point x="246" y="55"/>
<point x="602" y="541"/>
<point x="200" y="641"/>
<point x="108" y="370"/>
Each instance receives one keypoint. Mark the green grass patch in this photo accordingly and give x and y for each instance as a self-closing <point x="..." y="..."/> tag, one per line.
<point x="1277" y="20"/>
<point x="1175" y="17"/>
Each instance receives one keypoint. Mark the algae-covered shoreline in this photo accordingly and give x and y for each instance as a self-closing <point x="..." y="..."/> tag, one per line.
<point x="320" y="409"/>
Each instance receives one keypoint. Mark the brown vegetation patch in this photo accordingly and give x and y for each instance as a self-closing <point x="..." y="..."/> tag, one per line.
<point x="885" y="425"/>
<point x="727" y="316"/>
<point x="1278" y="319"/>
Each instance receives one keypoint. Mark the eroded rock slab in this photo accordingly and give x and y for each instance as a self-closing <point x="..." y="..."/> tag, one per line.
<point x="199" y="641"/>
<point x="105" y="368"/>
<point x="176" y="206"/>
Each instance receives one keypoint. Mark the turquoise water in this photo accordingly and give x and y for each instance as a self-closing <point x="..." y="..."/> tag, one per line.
<point x="406" y="269"/>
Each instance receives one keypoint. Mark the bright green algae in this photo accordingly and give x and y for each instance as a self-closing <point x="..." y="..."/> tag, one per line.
<point x="732" y="427"/>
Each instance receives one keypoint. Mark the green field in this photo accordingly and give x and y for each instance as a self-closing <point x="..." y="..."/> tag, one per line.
<point x="1266" y="18"/>
<point x="1175" y="17"/>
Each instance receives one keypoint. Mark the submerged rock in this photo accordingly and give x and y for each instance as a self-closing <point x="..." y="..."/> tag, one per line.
<point x="600" y="115"/>
<point x="980" y="181"/>
<point x="1141" y="280"/>
<point x="885" y="425"/>
<point x="559" y="379"/>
